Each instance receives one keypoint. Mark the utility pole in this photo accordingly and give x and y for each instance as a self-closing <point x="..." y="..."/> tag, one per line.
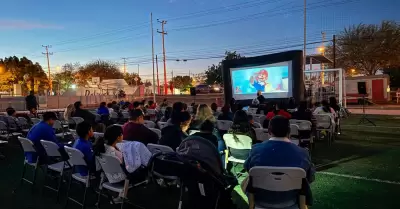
<point x="48" y="64"/>
<point x="138" y="68"/>
<point x="152" y="55"/>
<point x="323" y="54"/>
<point x="305" y="37"/>
<point x="158" y="80"/>
<point x="334" y="52"/>
<point x="124" y="64"/>
<point x="172" y="82"/>
<point x="163" y="33"/>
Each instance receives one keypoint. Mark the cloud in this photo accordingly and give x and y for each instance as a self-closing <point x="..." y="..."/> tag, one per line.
<point x="25" y="25"/>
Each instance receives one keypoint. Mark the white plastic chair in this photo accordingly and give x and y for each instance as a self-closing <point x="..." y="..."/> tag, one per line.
<point x="76" y="120"/>
<point x="325" y="123"/>
<point x="161" y="125"/>
<point x="157" y="131"/>
<point x="156" y="148"/>
<point x="294" y="133"/>
<point x="224" y="125"/>
<point x="51" y="149"/>
<point x="125" y="115"/>
<point x="191" y="132"/>
<point x="241" y="142"/>
<point x="35" y="120"/>
<point x="258" y="118"/>
<point x="252" y="111"/>
<point x="28" y="147"/>
<point x="276" y="179"/>
<point x="303" y="125"/>
<point x="76" y="158"/>
<point x="262" y="134"/>
<point x="257" y="125"/>
<point x="149" y="124"/>
<point x="111" y="165"/>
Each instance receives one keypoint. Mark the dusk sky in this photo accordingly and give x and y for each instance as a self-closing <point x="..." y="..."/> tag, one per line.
<point x="86" y="30"/>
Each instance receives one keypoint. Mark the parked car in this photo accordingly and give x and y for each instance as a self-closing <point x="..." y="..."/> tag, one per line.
<point x="203" y="89"/>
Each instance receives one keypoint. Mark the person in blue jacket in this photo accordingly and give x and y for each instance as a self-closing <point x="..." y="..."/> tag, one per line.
<point x="85" y="132"/>
<point x="103" y="110"/>
<point x="42" y="131"/>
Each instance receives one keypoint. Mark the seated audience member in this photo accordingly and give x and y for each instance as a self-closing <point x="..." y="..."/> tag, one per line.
<point x="214" y="108"/>
<point x="242" y="126"/>
<point x="85" y="132"/>
<point x="103" y="110"/>
<point x="303" y="113"/>
<point x="69" y="110"/>
<point x="334" y="104"/>
<point x="167" y="114"/>
<point x="226" y="113"/>
<point x="206" y="132"/>
<point x="108" y="144"/>
<point x="291" y="103"/>
<point x="174" y="134"/>
<point x="42" y="131"/>
<point x="110" y="107"/>
<point x="134" y="130"/>
<point x="85" y="114"/>
<point x="12" y="121"/>
<point x="151" y="105"/>
<point x="279" y="151"/>
<point x="279" y="110"/>
<point x="325" y="109"/>
<point x="164" y="103"/>
<point x="115" y="106"/>
<point x="134" y="106"/>
<point x="251" y="121"/>
<point x="203" y="113"/>
<point x="177" y="107"/>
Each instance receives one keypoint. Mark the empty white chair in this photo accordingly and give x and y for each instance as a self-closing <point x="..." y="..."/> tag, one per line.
<point x="58" y="127"/>
<point x="252" y="111"/>
<point x="76" y="158"/>
<point x="237" y="142"/>
<point x="303" y="125"/>
<point x="294" y="133"/>
<point x="258" y="117"/>
<point x="276" y="179"/>
<point x="27" y="146"/>
<point x="191" y="132"/>
<point x="157" y="131"/>
<point x="224" y="125"/>
<point x="51" y="149"/>
<point x="24" y="124"/>
<point x="111" y="165"/>
<point x="35" y="120"/>
<point x="161" y="125"/>
<point x="149" y="124"/>
<point x="262" y="134"/>
<point x="155" y="148"/>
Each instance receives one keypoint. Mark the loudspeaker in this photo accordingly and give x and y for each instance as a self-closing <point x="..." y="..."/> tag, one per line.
<point x="192" y="91"/>
<point x="362" y="88"/>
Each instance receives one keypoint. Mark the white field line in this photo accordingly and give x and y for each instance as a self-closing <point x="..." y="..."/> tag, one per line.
<point x="360" y="178"/>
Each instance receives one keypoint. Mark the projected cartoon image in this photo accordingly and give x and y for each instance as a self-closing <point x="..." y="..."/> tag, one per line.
<point x="267" y="80"/>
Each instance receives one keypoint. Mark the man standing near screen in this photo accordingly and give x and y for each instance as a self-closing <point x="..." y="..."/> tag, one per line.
<point x="260" y="82"/>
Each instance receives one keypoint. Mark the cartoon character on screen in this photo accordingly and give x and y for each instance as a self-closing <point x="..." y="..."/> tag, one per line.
<point x="260" y="81"/>
<point x="238" y="90"/>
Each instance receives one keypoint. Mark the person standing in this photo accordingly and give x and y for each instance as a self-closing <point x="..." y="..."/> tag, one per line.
<point x="31" y="102"/>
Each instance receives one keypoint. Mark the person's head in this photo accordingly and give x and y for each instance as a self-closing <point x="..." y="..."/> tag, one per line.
<point x="259" y="93"/>
<point x="136" y="116"/>
<point x="178" y="107"/>
<point x="136" y="105"/>
<point x="103" y="104"/>
<point x="279" y="126"/>
<point x="204" y="112"/>
<point x="11" y="111"/>
<point x="49" y="118"/>
<point x="182" y="119"/>
<point x="207" y="127"/>
<point x="185" y="107"/>
<point x="251" y="119"/>
<point x="84" y="130"/>
<point x="168" y="112"/>
<point x="226" y="109"/>
<point x="113" y="135"/>
<point x="114" y="102"/>
<point x="214" y="107"/>
<point x="325" y="106"/>
<point x="165" y="100"/>
<point x="109" y="105"/>
<point x="151" y="103"/>
<point x="302" y="106"/>
<point x="78" y="105"/>
<point x="240" y="118"/>
<point x="32" y="93"/>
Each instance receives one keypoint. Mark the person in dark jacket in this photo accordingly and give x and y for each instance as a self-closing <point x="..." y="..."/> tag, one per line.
<point x="134" y="130"/>
<point x="103" y="110"/>
<point x="85" y="114"/>
<point x="31" y="102"/>
<point x="226" y="113"/>
<point x="206" y="132"/>
<point x="174" y="134"/>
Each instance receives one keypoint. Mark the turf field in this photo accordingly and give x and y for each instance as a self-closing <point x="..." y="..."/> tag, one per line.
<point x="360" y="170"/>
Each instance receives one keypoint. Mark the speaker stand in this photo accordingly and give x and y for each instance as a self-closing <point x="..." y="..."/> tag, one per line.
<point x="364" y="119"/>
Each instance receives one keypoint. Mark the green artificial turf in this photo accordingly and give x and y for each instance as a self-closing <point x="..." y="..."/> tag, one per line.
<point x="361" y="151"/>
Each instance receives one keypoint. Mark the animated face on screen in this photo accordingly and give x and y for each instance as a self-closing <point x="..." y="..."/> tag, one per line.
<point x="260" y="81"/>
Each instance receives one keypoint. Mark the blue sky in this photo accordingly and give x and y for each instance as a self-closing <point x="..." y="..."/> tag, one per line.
<point x="85" y="30"/>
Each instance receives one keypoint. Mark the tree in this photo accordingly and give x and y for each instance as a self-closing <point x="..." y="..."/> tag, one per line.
<point x="394" y="74"/>
<point x="22" y="71"/>
<point x="182" y="82"/>
<point x="214" y="72"/>
<point x="66" y="77"/>
<point x="368" y="47"/>
<point x="100" y="68"/>
<point x="130" y="79"/>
